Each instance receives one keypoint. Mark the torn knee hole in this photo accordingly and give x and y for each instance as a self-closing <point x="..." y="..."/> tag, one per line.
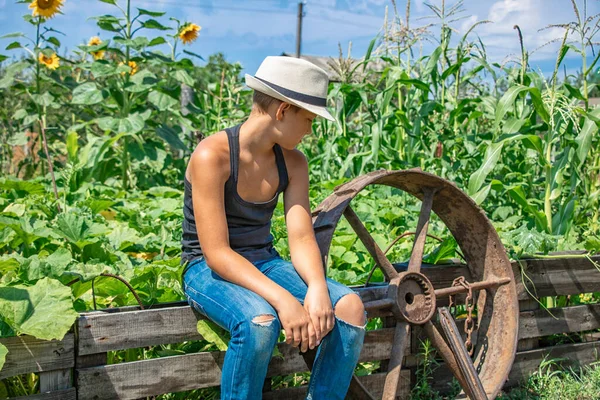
<point x="350" y="309"/>
<point x="264" y="320"/>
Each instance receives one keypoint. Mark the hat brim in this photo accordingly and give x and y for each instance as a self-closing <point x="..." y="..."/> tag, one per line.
<point x="255" y="84"/>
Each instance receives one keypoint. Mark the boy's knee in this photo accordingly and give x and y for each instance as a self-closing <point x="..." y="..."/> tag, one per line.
<point x="264" y="331"/>
<point x="264" y="320"/>
<point x="351" y="309"/>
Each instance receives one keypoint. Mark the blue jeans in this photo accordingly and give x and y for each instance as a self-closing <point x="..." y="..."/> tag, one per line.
<point x="233" y="307"/>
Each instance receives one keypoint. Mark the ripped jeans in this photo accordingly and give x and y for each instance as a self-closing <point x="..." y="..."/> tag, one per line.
<point x="234" y="307"/>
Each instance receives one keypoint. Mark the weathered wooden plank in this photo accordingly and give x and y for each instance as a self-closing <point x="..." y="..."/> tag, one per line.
<point x="67" y="394"/>
<point x="115" y="331"/>
<point x="538" y="323"/>
<point x="372" y="382"/>
<point x="557" y="276"/>
<point x="99" y="332"/>
<point x="29" y="354"/>
<point x="193" y="371"/>
<point x="55" y="380"/>
<point x="527" y="343"/>
<point x="91" y="360"/>
<point x="138" y="379"/>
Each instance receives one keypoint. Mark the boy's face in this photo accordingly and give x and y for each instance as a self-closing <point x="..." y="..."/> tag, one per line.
<point x="293" y="123"/>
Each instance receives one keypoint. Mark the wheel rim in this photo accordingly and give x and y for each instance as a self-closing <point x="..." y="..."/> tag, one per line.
<point x="486" y="260"/>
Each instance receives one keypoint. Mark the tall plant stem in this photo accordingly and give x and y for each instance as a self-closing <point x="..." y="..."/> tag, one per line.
<point x="125" y="163"/>
<point x="49" y="159"/>
<point x="584" y="71"/>
<point x="456" y="92"/>
<point x="548" y="187"/>
<point x="42" y="116"/>
<point x="409" y="43"/>
<point x="401" y="130"/>
<point x="126" y="105"/>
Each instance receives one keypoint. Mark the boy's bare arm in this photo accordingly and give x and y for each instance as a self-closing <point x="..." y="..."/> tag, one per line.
<point x="304" y="250"/>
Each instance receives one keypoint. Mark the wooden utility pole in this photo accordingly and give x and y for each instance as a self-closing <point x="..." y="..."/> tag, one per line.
<point x="299" y="28"/>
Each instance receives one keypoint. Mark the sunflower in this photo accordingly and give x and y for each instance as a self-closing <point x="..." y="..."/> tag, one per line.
<point x="94" y="41"/>
<point x="46" y="8"/>
<point x="133" y="65"/>
<point x="189" y="32"/>
<point x="51" y="62"/>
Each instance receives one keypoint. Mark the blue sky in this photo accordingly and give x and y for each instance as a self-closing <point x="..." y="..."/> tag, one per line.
<point x="247" y="31"/>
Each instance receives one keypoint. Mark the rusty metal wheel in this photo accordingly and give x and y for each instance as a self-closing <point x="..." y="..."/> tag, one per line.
<point x="411" y="297"/>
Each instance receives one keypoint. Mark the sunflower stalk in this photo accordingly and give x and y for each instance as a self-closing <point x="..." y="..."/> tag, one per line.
<point x="42" y="114"/>
<point x="126" y="102"/>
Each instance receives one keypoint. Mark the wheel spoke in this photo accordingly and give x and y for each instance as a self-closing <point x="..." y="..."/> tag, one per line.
<point x="357" y="391"/>
<point x="416" y="257"/>
<point x="392" y="378"/>
<point x="365" y="237"/>
<point x="465" y="364"/>
<point x="442" y="347"/>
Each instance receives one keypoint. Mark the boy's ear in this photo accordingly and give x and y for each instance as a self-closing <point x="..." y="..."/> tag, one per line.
<point x="281" y="109"/>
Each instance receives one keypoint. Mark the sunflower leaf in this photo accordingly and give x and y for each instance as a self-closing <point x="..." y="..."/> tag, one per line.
<point x="13" y="45"/>
<point x="87" y="94"/>
<point x="193" y="54"/>
<point x="162" y="100"/>
<point x="12" y="35"/>
<point x="151" y="13"/>
<point x="154" y="24"/>
<point x="156" y="41"/>
<point x="54" y="41"/>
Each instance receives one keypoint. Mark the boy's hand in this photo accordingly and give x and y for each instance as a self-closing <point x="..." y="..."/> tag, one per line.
<point x="296" y="322"/>
<point x="318" y="305"/>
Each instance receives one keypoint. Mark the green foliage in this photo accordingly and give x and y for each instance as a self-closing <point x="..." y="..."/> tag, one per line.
<point x="3" y="353"/>
<point x="44" y="310"/>
<point x="213" y="333"/>
<point x="120" y="118"/>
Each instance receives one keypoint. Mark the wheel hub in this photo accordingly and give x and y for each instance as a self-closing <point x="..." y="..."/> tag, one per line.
<point x="413" y="296"/>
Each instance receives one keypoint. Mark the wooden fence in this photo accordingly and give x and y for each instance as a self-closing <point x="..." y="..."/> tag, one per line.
<point x="77" y="367"/>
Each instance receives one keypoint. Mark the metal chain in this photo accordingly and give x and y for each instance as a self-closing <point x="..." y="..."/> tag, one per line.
<point x="469" y="322"/>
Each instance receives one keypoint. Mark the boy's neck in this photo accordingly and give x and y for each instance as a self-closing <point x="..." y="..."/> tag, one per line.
<point x="256" y="135"/>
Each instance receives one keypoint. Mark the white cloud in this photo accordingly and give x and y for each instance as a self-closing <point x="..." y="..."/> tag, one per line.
<point x="501" y="38"/>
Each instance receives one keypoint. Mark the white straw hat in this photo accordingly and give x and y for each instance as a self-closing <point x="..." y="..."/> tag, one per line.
<point x="293" y="80"/>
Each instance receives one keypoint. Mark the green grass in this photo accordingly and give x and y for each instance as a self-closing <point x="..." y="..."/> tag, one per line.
<point x="551" y="382"/>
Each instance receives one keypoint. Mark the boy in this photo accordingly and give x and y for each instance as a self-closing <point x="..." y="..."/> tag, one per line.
<point x="234" y="276"/>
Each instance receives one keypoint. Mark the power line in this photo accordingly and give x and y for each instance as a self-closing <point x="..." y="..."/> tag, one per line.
<point x="345" y="22"/>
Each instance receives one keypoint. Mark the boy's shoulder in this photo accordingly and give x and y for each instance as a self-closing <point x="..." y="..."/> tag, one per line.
<point x="295" y="160"/>
<point x="294" y="155"/>
<point x="212" y="151"/>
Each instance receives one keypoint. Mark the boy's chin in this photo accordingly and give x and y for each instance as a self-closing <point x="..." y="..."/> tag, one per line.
<point x="289" y="146"/>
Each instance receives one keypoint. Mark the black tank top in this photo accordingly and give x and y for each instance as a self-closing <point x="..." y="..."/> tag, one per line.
<point x="249" y="223"/>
